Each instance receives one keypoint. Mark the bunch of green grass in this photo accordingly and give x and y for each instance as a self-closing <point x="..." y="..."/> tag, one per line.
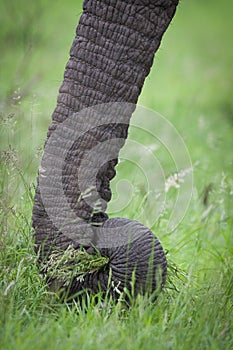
<point x="65" y="265"/>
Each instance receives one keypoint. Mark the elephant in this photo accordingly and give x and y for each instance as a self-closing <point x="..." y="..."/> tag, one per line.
<point x="110" y="57"/>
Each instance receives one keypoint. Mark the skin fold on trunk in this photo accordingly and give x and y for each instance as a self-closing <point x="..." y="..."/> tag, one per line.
<point x="110" y="57"/>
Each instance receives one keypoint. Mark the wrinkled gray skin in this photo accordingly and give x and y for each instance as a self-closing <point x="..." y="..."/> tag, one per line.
<point x="110" y="57"/>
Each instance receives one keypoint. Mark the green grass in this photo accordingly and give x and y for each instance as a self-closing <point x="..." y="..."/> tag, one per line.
<point x="191" y="85"/>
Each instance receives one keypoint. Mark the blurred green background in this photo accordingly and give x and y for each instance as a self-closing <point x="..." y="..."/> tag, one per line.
<point x="190" y="82"/>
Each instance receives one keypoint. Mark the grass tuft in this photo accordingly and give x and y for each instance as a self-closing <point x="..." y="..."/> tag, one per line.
<point x="64" y="266"/>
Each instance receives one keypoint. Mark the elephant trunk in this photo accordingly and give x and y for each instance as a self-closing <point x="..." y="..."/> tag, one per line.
<point x="110" y="57"/>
